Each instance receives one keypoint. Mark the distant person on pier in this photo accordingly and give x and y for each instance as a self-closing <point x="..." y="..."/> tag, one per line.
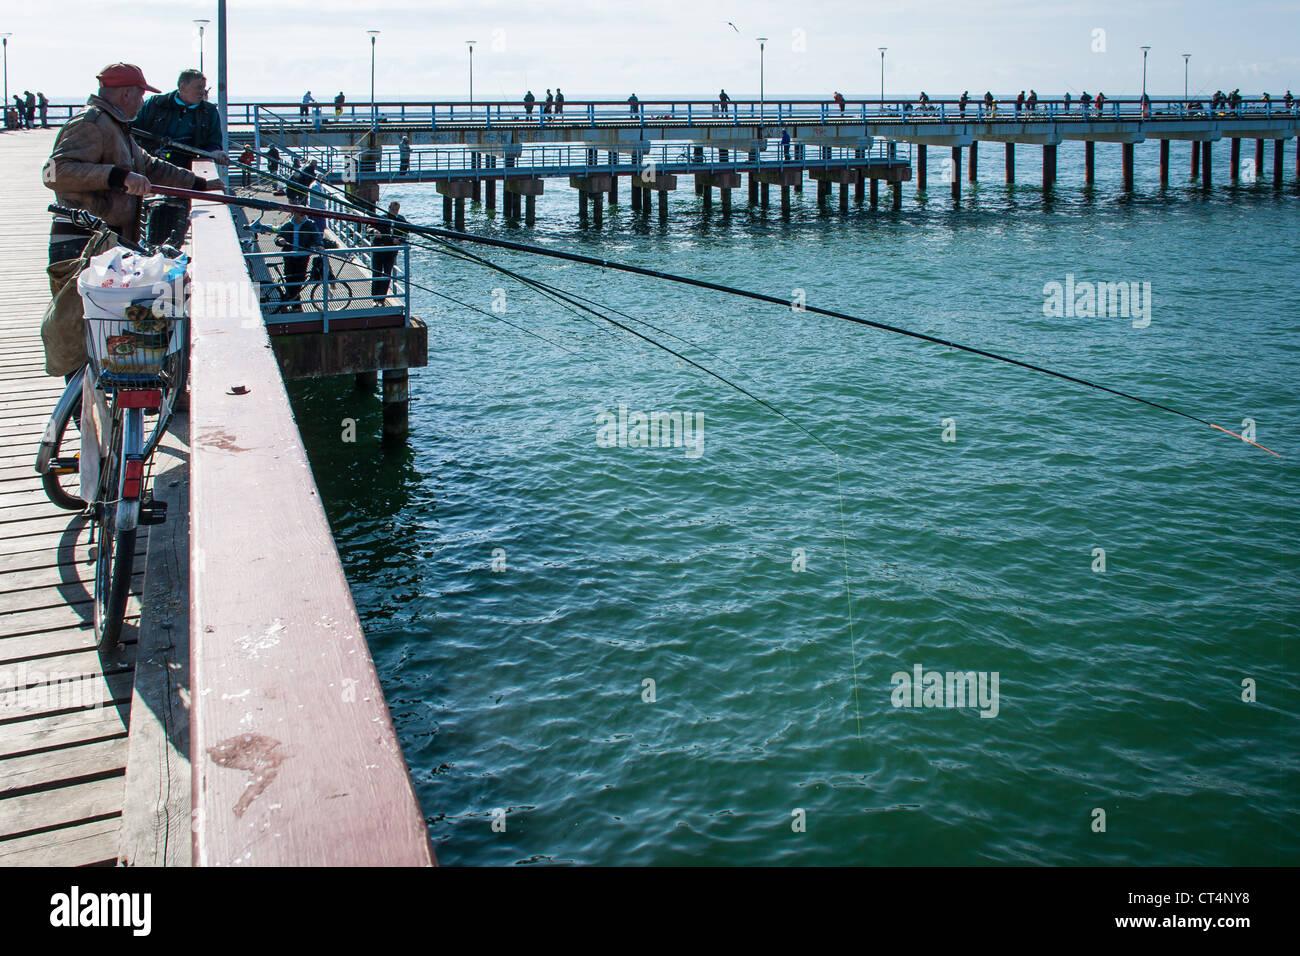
<point x="272" y="159"/>
<point x="529" y="100"/>
<point x="549" y="104"/>
<point x="925" y="102"/>
<point x="1146" y="106"/>
<point x="1020" y="101"/>
<point x="1289" y="100"/>
<point x="247" y="158"/>
<point x="1032" y="101"/>
<point x="839" y="99"/>
<point x="300" y="181"/>
<point x="1085" y="101"/>
<point x="306" y="99"/>
<point x="299" y="238"/>
<point x="43" y="105"/>
<point x="29" y="108"/>
<point x="338" y="105"/>
<point x="785" y="143"/>
<point x="961" y="103"/>
<point x="404" y="154"/>
<point x="1100" y="102"/>
<point x="633" y="105"/>
<point x="1066" y="101"/>
<point x="559" y="101"/>
<point x="988" y="101"/>
<point x="724" y="100"/>
<point x="97" y="166"/>
<point x="19" y="109"/>
<point x="382" y="260"/>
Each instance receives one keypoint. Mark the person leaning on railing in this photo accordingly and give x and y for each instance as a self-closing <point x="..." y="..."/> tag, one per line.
<point x="300" y="239"/>
<point x="97" y="166"/>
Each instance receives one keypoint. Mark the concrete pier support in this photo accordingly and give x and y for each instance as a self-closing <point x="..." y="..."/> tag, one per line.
<point x="920" y="167"/>
<point x="1011" y="163"/>
<point x="1089" y="162"/>
<point x="785" y="199"/>
<point x="897" y="190"/>
<point x="762" y="195"/>
<point x="530" y="207"/>
<point x="636" y="197"/>
<point x="663" y="206"/>
<point x="491" y="186"/>
<point x="367" y="381"/>
<point x="956" y="172"/>
<point x="1049" y="167"/>
<point x="517" y="189"/>
<point x="1235" y="172"/>
<point x="1196" y="160"/>
<point x="446" y="209"/>
<point x="823" y="193"/>
<point x="598" y="207"/>
<point x="875" y="193"/>
<point x="1164" y="162"/>
<point x="753" y="190"/>
<point x="844" y="198"/>
<point x="613" y="180"/>
<point x="460" y="214"/>
<point x="726" y="201"/>
<point x="973" y="162"/>
<point x="1206" y="179"/>
<point x="1278" y="146"/>
<point x="1126" y="151"/>
<point x="582" y="206"/>
<point x="396" y="399"/>
<point x="1259" y="159"/>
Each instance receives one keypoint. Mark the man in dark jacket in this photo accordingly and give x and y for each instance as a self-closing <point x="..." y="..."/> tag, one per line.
<point x="300" y="238"/>
<point x="382" y="259"/>
<point x="183" y="116"/>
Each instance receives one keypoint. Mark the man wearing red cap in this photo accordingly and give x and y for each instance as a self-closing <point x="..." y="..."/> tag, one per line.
<point x="97" y="166"/>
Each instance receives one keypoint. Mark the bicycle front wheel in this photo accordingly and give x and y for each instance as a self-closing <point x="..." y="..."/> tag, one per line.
<point x="115" y="529"/>
<point x="341" y="296"/>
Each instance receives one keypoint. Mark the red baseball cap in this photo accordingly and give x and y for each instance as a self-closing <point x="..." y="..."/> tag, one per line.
<point x="124" y="74"/>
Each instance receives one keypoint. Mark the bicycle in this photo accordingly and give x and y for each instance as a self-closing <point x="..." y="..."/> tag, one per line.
<point x="139" y="362"/>
<point x="277" y="296"/>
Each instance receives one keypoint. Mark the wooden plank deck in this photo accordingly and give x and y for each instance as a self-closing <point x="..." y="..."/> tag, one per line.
<point x="64" y="707"/>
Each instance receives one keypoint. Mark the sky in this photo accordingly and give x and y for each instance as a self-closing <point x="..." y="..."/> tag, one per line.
<point x="596" y="48"/>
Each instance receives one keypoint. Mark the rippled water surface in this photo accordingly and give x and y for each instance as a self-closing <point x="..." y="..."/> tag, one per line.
<point x="523" y="690"/>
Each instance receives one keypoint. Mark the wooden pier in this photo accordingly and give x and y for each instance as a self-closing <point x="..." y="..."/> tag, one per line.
<point x="295" y="761"/>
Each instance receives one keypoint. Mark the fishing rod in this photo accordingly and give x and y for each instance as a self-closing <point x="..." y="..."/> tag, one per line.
<point x="448" y="234"/>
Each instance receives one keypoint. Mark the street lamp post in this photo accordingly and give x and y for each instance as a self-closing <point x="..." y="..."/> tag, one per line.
<point x="762" y="100"/>
<point x="470" y="44"/>
<point x="4" y="107"/>
<point x="201" y="24"/>
<point x="1186" y="57"/>
<point x="882" y="75"/>
<point x="374" y="114"/>
<point x="1145" y="51"/>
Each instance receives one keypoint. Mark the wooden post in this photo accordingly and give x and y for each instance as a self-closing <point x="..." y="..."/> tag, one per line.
<point x="785" y="200"/>
<point x="1090" y="162"/>
<point x="1206" y="164"/>
<point x="397" y="400"/>
<point x="460" y="214"/>
<point x="844" y="198"/>
<point x="875" y="192"/>
<point x="974" y="160"/>
<point x="956" y="172"/>
<point x="636" y="196"/>
<point x="1126" y="153"/>
<point x="707" y="196"/>
<point x="1164" y="162"/>
<point x="446" y="209"/>
<point x="1196" y="160"/>
<point x="726" y="201"/>
<point x="1049" y="166"/>
<point x="920" y="167"/>
<point x="762" y="193"/>
<point x="1259" y="159"/>
<point x="753" y="190"/>
<point x="530" y="209"/>
<point x="582" y="205"/>
<point x="897" y="190"/>
<point x="1278" y="146"/>
<point x="663" y="205"/>
<point x="613" y="179"/>
<point x="1235" y="173"/>
<point x="1011" y="163"/>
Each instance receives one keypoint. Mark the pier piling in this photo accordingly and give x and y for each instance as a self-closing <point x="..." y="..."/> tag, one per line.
<point x="1164" y="162"/>
<point x="1011" y="163"/>
<point x="844" y="198"/>
<point x="1049" y="167"/>
<point x="663" y="205"/>
<point x="1196" y="160"/>
<point x="896" y="189"/>
<point x="1126" y="152"/>
<point x="1235" y="172"/>
<point x="785" y="198"/>
<point x="973" y="162"/>
<point x="1259" y="159"/>
<point x="875" y="193"/>
<point x="1278" y="146"/>
<point x="1090" y="162"/>
<point x="396" y="399"/>
<point x="956" y="172"/>
<point x="446" y="209"/>
<point x="1205" y="163"/>
<point x="920" y="168"/>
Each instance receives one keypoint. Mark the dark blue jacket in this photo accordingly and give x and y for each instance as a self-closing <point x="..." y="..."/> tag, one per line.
<point x="164" y="115"/>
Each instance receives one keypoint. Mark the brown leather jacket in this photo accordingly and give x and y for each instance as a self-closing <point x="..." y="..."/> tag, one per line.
<point x="92" y="155"/>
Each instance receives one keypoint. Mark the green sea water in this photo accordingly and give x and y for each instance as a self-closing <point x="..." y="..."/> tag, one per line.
<point x="687" y="654"/>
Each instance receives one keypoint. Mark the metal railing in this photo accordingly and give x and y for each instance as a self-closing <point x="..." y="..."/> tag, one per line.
<point x="346" y="289"/>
